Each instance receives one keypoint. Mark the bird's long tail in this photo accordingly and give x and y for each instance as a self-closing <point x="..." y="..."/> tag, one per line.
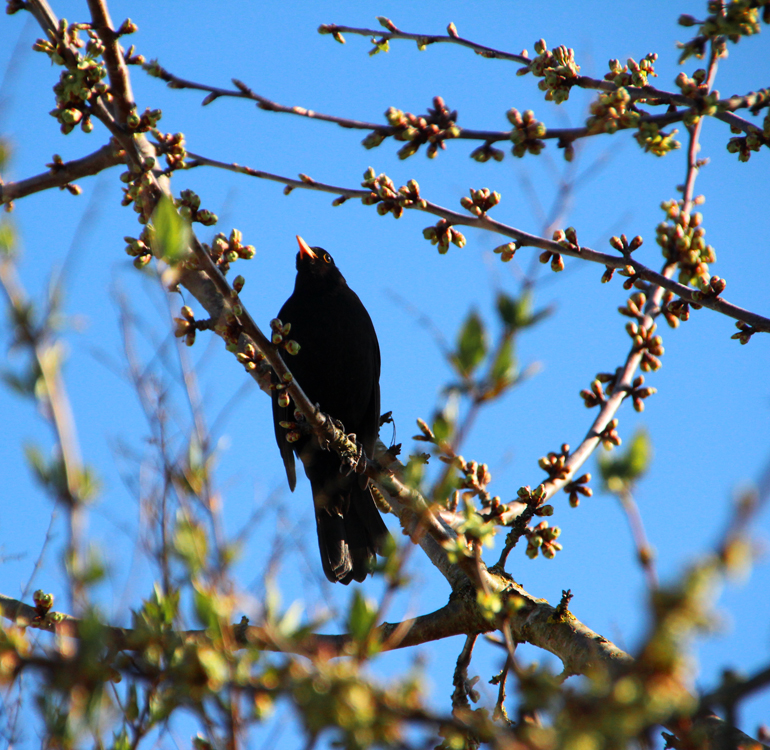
<point x="350" y="534"/>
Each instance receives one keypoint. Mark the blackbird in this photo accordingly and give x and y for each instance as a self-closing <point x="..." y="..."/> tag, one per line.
<point x="338" y="367"/>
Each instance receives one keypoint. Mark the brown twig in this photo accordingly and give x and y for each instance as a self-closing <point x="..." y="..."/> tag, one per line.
<point x="63" y="174"/>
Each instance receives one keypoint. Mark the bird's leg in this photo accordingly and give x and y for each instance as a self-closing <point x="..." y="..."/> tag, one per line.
<point x="354" y="462"/>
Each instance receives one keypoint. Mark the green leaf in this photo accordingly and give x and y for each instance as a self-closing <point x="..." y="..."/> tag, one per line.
<point x="361" y="618"/>
<point x="37" y="463"/>
<point x="190" y="543"/>
<point x="172" y="233"/>
<point x="504" y="367"/>
<point x="471" y="345"/>
<point x="622" y="471"/>
<point x="7" y="239"/>
<point x="515" y="313"/>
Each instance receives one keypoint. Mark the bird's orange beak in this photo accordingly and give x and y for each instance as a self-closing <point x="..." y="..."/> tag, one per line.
<point x="305" y="250"/>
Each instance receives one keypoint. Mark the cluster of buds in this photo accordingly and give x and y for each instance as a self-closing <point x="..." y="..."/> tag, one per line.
<point x="409" y="196"/>
<point x="145" y="122"/>
<point x="695" y="86"/>
<point x="612" y="111"/>
<point x="624" y="246"/>
<point x="527" y="132"/>
<point x="254" y="361"/>
<point x="534" y="499"/>
<point x="543" y="539"/>
<point x="476" y="477"/>
<point x="229" y="329"/>
<point x="443" y="234"/>
<point x="634" y="307"/>
<point x="732" y="20"/>
<point x="598" y="393"/>
<point x="558" y="70"/>
<point x="567" y="238"/>
<point x="705" y="103"/>
<point x="171" y="145"/>
<point x="745" y="332"/>
<point x="554" y="464"/>
<point x="139" y="191"/>
<point x="557" y="262"/>
<point x="185" y="326"/>
<point x="189" y="205"/>
<point x="645" y="341"/>
<point x="481" y="201"/>
<point x="433" y="128"/>
<point x="383" y="194"/>
<point x="140" y="249"/>
<point x="81" y="81"/>
<point x="609" y="435"/>
<point x="682" y="240"/>
<point x="65" y="38"/>
<point x="655" y="141"/>
<point x="632" y="73"/>
<point x="487" y="151"/>
<point x="224" y="251"/>
<point x="675" y="310"/>
<point x="578" y="487"/>
<point x="43" y="603"/>
<point x="638" y="392"/>
<point x="278" y="338"/>
<point x="753" y="141"/>
<point x="507" y="251"/>
<point x="294" y="428"/>
<point x="132" y="58"/>
<point x="709" y="289"/>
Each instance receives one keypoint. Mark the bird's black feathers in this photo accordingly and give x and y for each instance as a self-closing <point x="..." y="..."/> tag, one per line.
<point x="338" y="367"/>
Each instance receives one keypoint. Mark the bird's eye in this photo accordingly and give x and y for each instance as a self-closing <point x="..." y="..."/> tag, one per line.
<point x="327" y="258"/>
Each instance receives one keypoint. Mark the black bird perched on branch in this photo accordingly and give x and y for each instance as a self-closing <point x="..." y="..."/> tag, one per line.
<point x="338" y="367"/>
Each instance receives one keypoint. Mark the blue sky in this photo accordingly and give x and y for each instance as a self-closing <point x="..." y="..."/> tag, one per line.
<point x="709" y="422"/>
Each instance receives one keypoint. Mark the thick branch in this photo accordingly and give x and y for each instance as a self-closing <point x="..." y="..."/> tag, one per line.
<point x="120" y="82"/>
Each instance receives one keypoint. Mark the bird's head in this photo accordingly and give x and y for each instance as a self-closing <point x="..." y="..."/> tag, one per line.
<point x="316" y="266"/>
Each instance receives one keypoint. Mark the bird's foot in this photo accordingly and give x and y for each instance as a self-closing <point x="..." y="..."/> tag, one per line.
<point x="353" y="463"/>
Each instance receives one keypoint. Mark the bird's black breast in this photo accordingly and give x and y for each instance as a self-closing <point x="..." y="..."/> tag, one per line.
<point x="338" y="364"/>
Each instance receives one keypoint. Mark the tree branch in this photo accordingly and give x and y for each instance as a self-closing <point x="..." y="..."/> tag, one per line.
<point x="61" y="175"/>
<point x="524" y="239"/>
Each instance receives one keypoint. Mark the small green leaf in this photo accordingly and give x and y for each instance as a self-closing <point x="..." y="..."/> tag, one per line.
<point x="621" y="472"/>
<point x="172" y="233"/>
<point x="504" y="367"/>
<point x="515" y="313"/>
<point x="190" y="543"/>
<point x="471" y="345"/>
<point x="7" y="239"/>
<point x="361" y="618"/>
